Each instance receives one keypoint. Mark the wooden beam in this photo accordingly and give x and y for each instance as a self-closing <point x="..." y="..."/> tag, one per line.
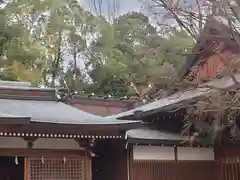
<point x="89" y="144"/>
<point x="56" y="135"/>
<point x="85" y="129"/>
<point x="14" y="120"/>
<point x="82" y="142"/>
<point x="42" y="152"/>
<point x="30" y="141"/>
<point x="175" y="153"/>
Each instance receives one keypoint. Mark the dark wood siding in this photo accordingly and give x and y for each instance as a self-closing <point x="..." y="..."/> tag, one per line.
<point x="228" y="164"/>
<point x="196" y="170"/>
<point x="153" y="170"/>
<point x="172" y="170"/>
<point x="102" y="107"/>
<point x="111" y="161"/>
<point x="99" y="110"/>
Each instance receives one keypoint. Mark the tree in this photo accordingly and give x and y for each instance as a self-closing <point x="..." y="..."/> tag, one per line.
<point x="37" y="35"/>
<point x="132" y="53"/>
<point x="221" y="108"/>
<point x="18" y="52"/>
<point x="117" y="55"/>
<point x="107" y="9"/>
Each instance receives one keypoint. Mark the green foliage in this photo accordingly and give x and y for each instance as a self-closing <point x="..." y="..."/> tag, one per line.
<point x="132" y="51"/>
<point x="39" y="38"/>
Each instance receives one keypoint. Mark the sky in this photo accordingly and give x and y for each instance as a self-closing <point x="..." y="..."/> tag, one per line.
<point x="125" y="5"/>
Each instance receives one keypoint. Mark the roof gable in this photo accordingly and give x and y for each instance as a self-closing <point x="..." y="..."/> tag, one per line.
<point x="214" y="29"/>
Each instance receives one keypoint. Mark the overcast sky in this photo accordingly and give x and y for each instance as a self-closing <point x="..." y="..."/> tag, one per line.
<point x="125" y="5"/>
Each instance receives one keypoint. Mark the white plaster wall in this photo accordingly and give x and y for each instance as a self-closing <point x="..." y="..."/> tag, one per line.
<point x="153" y="153"/>
<point x="188" y="153"/>
<point x="52" y="143"/>
<point x="12" y="142"/>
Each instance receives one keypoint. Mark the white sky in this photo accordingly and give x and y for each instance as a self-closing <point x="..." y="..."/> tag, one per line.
<point x="125" y="5"/>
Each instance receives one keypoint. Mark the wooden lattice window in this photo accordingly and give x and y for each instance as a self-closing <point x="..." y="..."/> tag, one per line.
<point x="57" y="169"/>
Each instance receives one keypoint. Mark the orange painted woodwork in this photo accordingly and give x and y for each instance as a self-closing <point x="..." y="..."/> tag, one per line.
<point x="213" y="66"/>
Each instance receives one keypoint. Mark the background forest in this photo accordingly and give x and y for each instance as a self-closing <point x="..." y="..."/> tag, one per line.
<point x="100" y="49"/>
<point x="58" y="43"/>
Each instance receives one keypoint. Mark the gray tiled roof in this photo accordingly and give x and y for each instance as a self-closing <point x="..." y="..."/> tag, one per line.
<point x="223" y="83"/>
<point x="27" y="88"/>
<point x="150" y="134"/>
<point x="5" y="115"/>
<point x="52" y="112"/>
<point x="161" y="103"/>
<point x="14" y="83"/>
<point x="11" y="119"/>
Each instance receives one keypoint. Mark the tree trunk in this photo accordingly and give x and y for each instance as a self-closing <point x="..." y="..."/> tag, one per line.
<point x="75" y="69"/>
<point x="56" y="61"/>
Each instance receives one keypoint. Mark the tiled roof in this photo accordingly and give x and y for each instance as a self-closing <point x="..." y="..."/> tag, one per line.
<point x="151" y="134"/>
<point x="52" y="112"/>
<point x="27" y="88"/>
<point x="14" y="83"/>
<point x="170" y="101"/>
<point x="11" y="119"/>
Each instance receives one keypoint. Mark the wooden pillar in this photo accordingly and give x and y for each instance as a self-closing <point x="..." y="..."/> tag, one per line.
<point x="176" y="163"/>
<point x="25" y="169"/>
<point x="88" y="168"/>
<point x="128" y="163"/>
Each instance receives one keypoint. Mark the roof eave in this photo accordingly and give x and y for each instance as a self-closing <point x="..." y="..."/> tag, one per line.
<point x="14" y="120"/>
<point x="168" y="142"/>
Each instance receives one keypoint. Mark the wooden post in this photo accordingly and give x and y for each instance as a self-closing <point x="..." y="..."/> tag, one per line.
<point x="176" y="162"/>
<point x="90" y="168"/>
<point x="25" y="169"/>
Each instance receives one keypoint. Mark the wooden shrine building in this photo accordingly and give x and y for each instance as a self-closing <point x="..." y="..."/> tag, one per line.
<point x="42" y="138"/>
<point x="158" y="151"/>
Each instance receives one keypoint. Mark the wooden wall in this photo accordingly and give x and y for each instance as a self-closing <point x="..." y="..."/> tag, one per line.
<point x="111" y="161"/>
<point x="99" y="110"/>
<point x="102" y="107"/>
<point x="172" y="168"/>
<point x="228" y="164"/>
